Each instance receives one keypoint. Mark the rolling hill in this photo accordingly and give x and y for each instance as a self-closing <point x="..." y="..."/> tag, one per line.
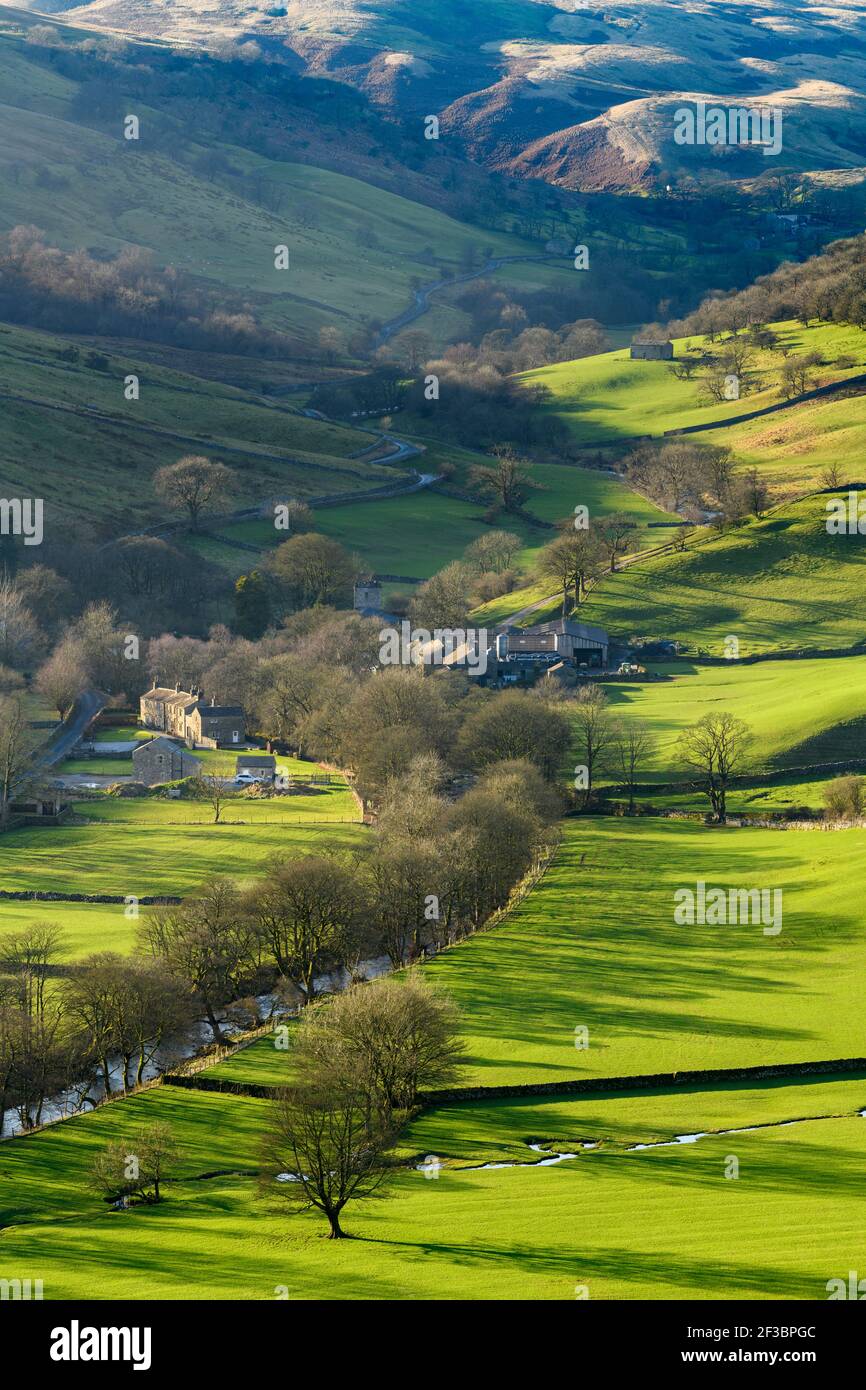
<point x="65" y="417"/>
<point x="579" y="96"/>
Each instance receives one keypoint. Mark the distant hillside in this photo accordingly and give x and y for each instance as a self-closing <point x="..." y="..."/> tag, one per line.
<point x="215" y="196"/>
<point x="576" y="95"/>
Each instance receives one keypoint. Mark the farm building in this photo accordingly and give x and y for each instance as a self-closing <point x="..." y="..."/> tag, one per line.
<point x="162" y="760"/>
<point x="652" y="352"/>
<point x="547" y="644"/>
<point x="214" y="725"/>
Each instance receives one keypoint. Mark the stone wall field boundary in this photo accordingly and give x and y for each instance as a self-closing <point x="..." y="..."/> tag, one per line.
<point x="658" y="1081"/>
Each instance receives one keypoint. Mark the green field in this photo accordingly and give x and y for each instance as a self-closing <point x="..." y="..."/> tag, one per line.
<point x="153" y="846"/>
<point x="801" y="712"/>
<point x="609" y="398"/>
<point x="84" y="927"/>
<point x="596" y="945"/>
<point x="418" y="534"/>
<point x="781" y="795"/>
<point x="656" y="1224"/>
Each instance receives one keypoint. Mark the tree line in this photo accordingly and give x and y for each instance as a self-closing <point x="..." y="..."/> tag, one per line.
<point x="436" y="870"/>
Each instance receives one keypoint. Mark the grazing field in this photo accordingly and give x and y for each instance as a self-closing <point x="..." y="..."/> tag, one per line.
<point x="418" y="534"/>
<point x="595" y="945"/>
<point x="609" y="398"/>
<point x="780" y="584"/>
<point x="655" y="1224"/>
<point x="84" y="927"/>
<point x="150" y="846"/>
<point x="800" y="712"/>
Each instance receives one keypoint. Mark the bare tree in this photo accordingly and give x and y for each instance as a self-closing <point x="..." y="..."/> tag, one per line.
<point x="136" y="1167"/>
<point x="323" y="1140"/>
<point x="390" y="1038"/>
<point x="209" y="786"/>
<point x="716" y="747"/>
<point x="17" y="751"/>
<point x="507" y="482"/>
<point x="306" y="911"/>
<point x="633" y="746"/>
<point x="62" y="678"/>
<point x="613" y="532"/>
<point x="595" y="735"/>
<point x="210" y="944"/>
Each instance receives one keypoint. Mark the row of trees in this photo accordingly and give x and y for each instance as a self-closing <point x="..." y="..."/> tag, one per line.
<point x="94" y="1030"/>
<point x="830" y="287"/>
<point x="437" y="869"/>
<point x="129" y="296"/>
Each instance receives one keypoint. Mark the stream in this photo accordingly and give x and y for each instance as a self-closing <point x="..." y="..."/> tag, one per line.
<point x="70" y="1102"/>
<point x="432" y="1166"/>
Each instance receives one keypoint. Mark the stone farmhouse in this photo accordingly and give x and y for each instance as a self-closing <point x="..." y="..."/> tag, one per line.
<point x="185" y="714"/>
<point x="160" y="759"/>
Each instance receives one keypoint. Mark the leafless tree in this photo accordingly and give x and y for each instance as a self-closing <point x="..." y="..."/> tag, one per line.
<point x="716" y="748"/>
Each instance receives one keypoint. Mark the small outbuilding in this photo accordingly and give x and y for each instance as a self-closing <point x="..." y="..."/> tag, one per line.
<point x="162" y="760"/>
<point x="652" y="352"/>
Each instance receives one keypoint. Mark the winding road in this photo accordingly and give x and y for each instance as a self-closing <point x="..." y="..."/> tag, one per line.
<point x="421" y="302"/>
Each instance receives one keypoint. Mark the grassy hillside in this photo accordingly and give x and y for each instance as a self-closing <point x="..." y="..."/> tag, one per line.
<point x="791" y="448"/>
<point x="609" y="398"/>
<point x="800" y="711"/>
<point x="70" y="418"/>
<point x="778" y="584"/>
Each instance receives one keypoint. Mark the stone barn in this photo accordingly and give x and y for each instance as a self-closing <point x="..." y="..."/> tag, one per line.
<point x="162" y="760"/>
<point x="652" y="352"/>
